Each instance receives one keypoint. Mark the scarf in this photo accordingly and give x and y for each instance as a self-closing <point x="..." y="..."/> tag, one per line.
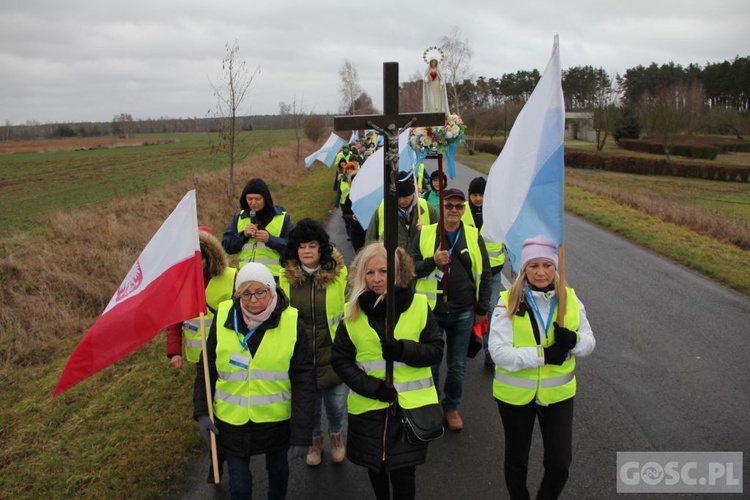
<point x="253" y="321"/>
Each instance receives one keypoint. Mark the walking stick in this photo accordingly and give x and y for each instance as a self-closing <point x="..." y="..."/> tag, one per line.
<point x="562" y="294"/>
<point x="209" y="399"/>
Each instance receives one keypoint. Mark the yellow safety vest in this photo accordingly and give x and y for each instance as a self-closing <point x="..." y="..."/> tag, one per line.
<point x="420" y="175"/>
<point x="414" y="385"/>
<point x="254" y="388"/>
<point x="344" y="187"/>
<point x="424" y="216"/>
<point x="429" y="285"/>
<point x="335" y="296"/>
<point x="255" y="251"/>
<point x="219" y="289"/>
<point x="494" y="250"/>
<point x="548" y="383"/>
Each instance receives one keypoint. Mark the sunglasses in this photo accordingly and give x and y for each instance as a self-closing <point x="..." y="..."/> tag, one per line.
<point x="451" y="206"/>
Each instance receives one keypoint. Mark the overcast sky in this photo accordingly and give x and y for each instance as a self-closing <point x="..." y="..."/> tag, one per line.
<point x="87" y="60"/>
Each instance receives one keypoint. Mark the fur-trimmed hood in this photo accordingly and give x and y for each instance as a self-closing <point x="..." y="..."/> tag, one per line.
<point x="296" y="275"/>
<point x="213" y="252"/>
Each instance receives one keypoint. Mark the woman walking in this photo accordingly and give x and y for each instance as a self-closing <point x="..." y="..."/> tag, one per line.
<point x="375" y="439"/>
<point x="314" y="279"/>
<point x="535" y="361"/>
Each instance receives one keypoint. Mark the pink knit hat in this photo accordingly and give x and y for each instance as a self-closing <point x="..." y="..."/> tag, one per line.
<point x="538" y="247"/>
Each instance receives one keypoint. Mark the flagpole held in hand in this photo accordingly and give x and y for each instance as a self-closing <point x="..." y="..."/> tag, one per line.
<point x="441" y="226"/>
<point x="562" y="299"/>
<point x="209" y="399"/>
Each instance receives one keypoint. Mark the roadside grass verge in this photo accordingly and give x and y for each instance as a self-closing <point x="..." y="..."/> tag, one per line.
<point x="712" y="218"/>
<point x="127" y="431"/>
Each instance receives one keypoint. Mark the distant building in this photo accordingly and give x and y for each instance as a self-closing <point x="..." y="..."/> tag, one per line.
<point x="580" y="125"/>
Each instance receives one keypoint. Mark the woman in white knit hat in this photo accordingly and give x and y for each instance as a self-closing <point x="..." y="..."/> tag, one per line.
<point x="535" y="357"/>
<point x="262" y="379"/>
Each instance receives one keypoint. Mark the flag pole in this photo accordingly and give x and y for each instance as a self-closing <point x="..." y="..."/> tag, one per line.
<point x="441" y="226"/>
<point x="209" y="400"/>
<point x="417" y="194"/>
<point x="562" y="299"/>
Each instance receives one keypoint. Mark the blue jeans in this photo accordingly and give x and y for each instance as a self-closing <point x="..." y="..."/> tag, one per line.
<point x="497" y="287"/>
<point x="457" y="326"/>
<point x="241" y="479"/>
<point x="334" y="399"/>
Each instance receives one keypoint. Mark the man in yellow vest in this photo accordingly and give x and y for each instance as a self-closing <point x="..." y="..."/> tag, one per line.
<point x="409" y="221"/>
<point x="260" y="230"/>
<point x="262" y="379"/>
<point x="473" y="216"/>
<point x="464" y="265"/>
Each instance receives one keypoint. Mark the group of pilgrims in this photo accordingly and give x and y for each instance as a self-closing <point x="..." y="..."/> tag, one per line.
<point x="294" y="331"/>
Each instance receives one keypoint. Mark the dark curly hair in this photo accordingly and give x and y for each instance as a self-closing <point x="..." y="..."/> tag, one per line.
<point x="305" y="231"/>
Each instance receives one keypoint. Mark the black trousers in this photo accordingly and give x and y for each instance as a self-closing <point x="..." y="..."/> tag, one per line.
<point x="403" y="481"/>
<point x="556" y="424"/>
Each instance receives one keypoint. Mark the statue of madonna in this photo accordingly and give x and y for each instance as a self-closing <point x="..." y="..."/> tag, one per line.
<point x="434" y="91"/>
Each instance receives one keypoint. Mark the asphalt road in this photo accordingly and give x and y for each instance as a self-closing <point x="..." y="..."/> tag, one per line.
<point x="669" y="373"/>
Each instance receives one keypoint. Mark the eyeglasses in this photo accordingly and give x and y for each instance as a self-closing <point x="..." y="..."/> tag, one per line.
<point x="259" y="295"/>
<point x="451" y="206"/>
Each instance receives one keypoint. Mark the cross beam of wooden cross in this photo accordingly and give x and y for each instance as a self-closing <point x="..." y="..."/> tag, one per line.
<point x="390" y="124"/>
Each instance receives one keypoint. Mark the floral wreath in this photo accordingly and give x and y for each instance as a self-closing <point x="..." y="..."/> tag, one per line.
<point x="433" y="53"/>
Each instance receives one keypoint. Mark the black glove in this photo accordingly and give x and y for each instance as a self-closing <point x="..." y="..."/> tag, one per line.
<point x="297" y="451"/>
<point x="392" y="350"/>
<point x="564" y="337"/>
<point x="555" y="354"/>
<point x="385" y="394"/>
<point x="207" y="426"/>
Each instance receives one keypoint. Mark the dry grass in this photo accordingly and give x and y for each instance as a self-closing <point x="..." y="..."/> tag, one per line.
<point x="73" y="144"/>
<point x="56" y="285"/>
<point x="714" y="225"/>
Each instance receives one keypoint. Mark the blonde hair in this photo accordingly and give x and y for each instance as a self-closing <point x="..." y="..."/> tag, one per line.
<point x="516" y="290"/>
<point x="358" y="269"/>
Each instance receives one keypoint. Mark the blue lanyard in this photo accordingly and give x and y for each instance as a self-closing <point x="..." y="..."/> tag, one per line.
<point x="242" y="338"/>
<point x="450" y="250"/>
<point x="532" y="301"/>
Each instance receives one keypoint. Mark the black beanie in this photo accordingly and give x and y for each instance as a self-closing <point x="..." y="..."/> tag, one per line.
<point x="404" y="184"/>
<point x="477" y="185"/>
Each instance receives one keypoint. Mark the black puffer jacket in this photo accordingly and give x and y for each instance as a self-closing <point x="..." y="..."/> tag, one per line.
<point x="366" y="431"/>
<point x="258" y="438"/>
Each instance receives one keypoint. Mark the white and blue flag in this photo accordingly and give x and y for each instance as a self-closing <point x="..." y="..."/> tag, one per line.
<point x="355" y="137"/>
<point x="328" y="152"/>
<point x="367" y="189"/>
<point x="524" y="196"/>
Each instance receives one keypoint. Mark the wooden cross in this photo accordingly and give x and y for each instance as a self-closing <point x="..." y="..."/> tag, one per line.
<point x="390" y="124"/>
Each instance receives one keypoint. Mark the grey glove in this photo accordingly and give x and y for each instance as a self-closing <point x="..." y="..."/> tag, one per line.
<point x="207" y="426"/>
<point x="296" y="451"/>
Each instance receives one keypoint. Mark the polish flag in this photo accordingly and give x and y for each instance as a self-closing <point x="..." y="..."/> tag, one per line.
<point x="164" y="286"/>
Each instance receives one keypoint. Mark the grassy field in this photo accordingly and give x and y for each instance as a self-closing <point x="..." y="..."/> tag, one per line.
<point x="33" y="184"/>
<point x="127" y="432"/>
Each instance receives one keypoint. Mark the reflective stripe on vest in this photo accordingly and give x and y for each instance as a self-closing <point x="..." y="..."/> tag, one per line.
<point x="548" y="383"/>
<point x="255" y="251"/>
<point x="424" y="216"/>
<point x="261" y="392"/>
<point x="414" y="385"/>
<point x="428" y="286"/>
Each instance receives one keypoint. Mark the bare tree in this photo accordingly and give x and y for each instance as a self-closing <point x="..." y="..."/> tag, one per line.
<point x="670" y="111"/>
<point x="349" y="87"/>
<point x="410" y="94"/>
<point x="123" y="125"/>
<point x="605" y="108"/>
<point x="294" y="116"/>
<point x="230" y="91"/>
<point x="456" y="65"/>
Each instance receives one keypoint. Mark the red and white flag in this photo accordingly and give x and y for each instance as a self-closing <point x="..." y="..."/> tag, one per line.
<point x="164" y="286"/>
